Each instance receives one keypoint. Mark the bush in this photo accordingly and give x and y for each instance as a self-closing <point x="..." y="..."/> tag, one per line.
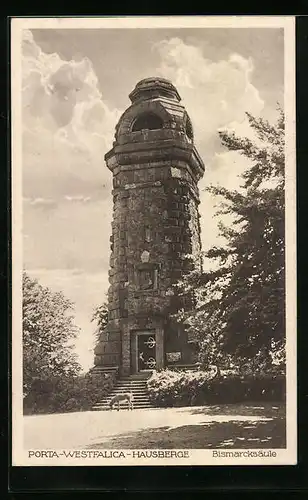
<point x="171" y="388"/>
<point x="66" y="394"/>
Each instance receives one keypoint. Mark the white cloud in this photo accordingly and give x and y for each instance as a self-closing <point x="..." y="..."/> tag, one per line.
<point x="41" y="202"/>
<point x="67" y="125"/>
<point x="80" y="198"/>
<point x="215" y="93"/>
<point x="67" y="129"/>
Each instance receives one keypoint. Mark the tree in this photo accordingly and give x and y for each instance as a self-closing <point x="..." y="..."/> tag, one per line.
<point x="240" y="312"/>
<point x="100" y="316"/>
<point x="48" y="336"/>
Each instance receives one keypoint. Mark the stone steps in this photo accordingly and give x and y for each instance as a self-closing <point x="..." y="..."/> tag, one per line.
<point x="130" y="389"/>
<point x="138" y="388"/>
<point x="123" y="406"/>
<point x="127" y="387"/>
<point x="141" y="399"/>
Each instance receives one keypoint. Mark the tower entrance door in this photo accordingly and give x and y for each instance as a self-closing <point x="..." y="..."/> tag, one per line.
<point x="146" y="351"/>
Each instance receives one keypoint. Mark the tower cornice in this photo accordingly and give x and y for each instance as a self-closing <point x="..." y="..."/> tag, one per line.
<point x="145" y="152"/>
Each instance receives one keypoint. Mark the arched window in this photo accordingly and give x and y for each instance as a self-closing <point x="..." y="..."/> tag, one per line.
<point x="147" y="121"/>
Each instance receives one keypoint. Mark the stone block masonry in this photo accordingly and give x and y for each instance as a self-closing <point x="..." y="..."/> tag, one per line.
<point x="155" y="230"/>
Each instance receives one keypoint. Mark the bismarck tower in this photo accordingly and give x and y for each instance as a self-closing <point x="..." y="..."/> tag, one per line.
<point x="155" y="230"/>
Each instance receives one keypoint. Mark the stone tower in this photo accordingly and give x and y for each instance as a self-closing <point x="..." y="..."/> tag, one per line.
<point x="155" y="230"/>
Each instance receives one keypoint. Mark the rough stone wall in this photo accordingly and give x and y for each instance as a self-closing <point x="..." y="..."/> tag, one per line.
<point x="194" y="226"/>
<point x="155" y="217"/>
<point x="155" y="229"/>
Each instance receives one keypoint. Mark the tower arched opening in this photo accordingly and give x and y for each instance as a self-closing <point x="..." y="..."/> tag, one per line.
<point x="147" y="121"/>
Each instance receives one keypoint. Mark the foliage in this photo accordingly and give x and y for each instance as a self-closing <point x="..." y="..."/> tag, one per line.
<point x="100" y="316"/>
<point x="48" y="335"/>
<point x="171" y="388"/>
<point x="52" y="379"/>
<point x="240" y="299"/>
<point x="54" y="394"/>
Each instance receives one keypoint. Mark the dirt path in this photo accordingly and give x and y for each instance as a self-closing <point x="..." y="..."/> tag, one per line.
<point x="227" y="426"/>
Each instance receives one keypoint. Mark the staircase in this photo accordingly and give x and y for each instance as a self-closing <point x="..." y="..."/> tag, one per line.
<point x="135" y="384"/>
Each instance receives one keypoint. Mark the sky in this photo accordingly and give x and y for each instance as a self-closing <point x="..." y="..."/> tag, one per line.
<point x="75" y="87"/>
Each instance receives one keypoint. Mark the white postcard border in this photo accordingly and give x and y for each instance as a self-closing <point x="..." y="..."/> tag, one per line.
<point x="288" y="456"/>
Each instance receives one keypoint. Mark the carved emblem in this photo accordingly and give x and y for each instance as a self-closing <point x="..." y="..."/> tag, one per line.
<point x="151" y="363"/>
<point x="150" y="342"/>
